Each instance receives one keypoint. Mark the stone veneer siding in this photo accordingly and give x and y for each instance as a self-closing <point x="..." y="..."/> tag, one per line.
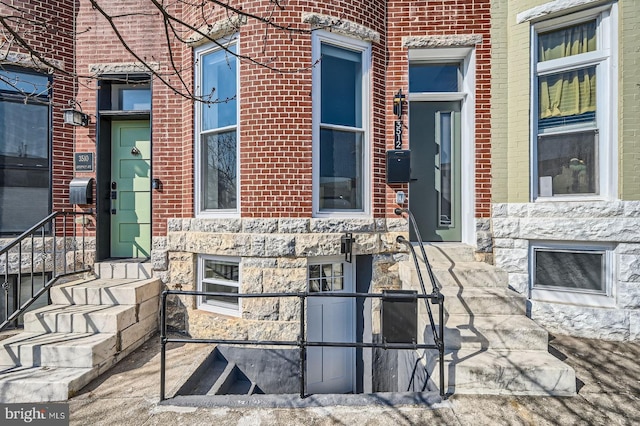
<point x="517" y="225"/>
<point x="274" y="254"/>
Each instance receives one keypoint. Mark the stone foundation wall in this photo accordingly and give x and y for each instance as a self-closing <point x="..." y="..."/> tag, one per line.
<point x="67" y="255"/>
<point x="517" y="225"/>
<point x="273" y="258"/>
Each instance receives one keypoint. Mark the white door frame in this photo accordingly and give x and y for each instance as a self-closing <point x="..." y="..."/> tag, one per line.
<point x="467" y="58"/>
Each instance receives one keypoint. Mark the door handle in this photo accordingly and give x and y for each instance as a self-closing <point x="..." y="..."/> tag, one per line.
<point x="114" y="196"/>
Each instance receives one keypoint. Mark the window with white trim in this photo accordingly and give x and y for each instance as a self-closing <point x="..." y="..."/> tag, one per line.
<point x="340" y="129"/>
<point x="219" y="275"/>
<point x="569" y="273"/>
<point x="217" y="128"/>
<point x="574" y="106"/>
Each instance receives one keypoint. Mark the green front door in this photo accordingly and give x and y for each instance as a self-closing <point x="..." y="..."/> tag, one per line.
<point x="434" y="192"/>
<point x="130" y="189"/>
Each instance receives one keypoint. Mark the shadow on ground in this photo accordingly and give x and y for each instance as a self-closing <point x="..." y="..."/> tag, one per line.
<point x="608" y="377"/>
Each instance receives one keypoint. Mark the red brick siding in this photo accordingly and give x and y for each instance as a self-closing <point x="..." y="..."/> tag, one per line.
<point x="275" y="117"/>
<point x="52" y="39"/>
<point x="172" y="138"/>
<point x="446" y="17"/>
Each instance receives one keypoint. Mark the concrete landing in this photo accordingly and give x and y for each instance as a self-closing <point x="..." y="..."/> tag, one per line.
<point x="607" y="374"/>
<point x="498" y="372"/>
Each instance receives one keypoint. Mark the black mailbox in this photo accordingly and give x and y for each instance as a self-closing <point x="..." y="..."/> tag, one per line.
<point x="399" y="316"/>
<point x="81" y="191"/>
<point x="398" y="166"/>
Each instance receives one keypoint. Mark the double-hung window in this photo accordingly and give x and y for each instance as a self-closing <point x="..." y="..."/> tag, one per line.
<point x="574" y="105"/>
<point x="220" y="276"/>
<point x="25" y="133"/>
<point x="217" y="128"/>
<point x="340" y="109"/>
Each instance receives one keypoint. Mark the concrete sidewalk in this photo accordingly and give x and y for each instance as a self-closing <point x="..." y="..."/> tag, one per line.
<point x="608" y="376"/>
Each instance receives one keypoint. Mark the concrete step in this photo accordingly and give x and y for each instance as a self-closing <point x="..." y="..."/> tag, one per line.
<point x="138" y="333"/>
<point x="91" y="325"/>
<point x="225" y="381"/>
<point x="106" y="292"/>
<point x="80" y="319"/>
<point x="503" y="372"/>
<point x="42" y="384"/>
<point x="129" y="269"/>
<point x="467" y="274"/>
<point x="218" y="376"/>
<point x="511" y="332"/>
<point x="447" y="252"/>
<point x="482" y="301"/>
<point x="204" y="378"/>
<point x="58" y="349"/>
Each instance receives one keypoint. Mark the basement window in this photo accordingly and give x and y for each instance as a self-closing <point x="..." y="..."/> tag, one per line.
<point x="581" y="275"/>
<point x="219" y="275"/>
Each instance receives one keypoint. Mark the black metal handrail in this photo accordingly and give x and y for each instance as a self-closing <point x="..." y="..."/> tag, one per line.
<point x="51" y="230"/>
<point x="301" y="342"/>
<point x="435" y="290"/>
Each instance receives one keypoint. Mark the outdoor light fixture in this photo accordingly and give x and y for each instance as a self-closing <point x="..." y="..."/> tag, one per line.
<point x="75" y="118"/>
<point x="346" y="245"/>
<point x="398" y="101"/>
<point x="156" y="184"/>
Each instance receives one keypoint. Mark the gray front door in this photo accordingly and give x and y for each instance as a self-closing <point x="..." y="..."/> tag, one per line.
<point x="434" y="191"/>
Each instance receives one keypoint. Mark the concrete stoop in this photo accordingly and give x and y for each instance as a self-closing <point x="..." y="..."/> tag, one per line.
<point x="491" y="347"/>
<point x="90" y="325"/>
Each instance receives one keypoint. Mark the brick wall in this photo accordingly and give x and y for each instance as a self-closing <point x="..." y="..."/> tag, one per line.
<point x="276" y="109"/>
<point x="275" y="117"/>
<point x="439" y="18"/>
<point x="629" y="108"/>
<point x="143" y="30"/>
<point x="50" y="37"/>
<point x="499" y="100"/>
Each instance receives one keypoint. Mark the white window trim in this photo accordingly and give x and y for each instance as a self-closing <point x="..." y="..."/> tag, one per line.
<point x="198" y="184"/>
<point x="575" y="296"/>
<point x="319" y="37"/>
<point x="466" y="56"/>
<point x="606" y="98"/>
<point x="212" y="308"/>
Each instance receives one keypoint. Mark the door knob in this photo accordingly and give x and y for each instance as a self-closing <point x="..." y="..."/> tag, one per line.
<point x="135" y="151"/>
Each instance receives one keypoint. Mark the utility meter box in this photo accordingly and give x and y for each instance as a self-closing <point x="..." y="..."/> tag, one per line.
<point x="398" y="166"/>
<point x="81" y="191"/>
<point x="399" y="316"/>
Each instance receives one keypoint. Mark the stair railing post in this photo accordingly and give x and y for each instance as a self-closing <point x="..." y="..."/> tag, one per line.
<point x="5" y="286"/>
<point x="441" y="342"/>
<point x="163" y="343"/>
<point x="303" y="347"/>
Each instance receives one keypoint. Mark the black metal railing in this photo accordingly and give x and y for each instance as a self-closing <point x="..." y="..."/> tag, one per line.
<point x="302" y="343"/>
<point x="438" y="335"/>
<point x="40" y="255"/>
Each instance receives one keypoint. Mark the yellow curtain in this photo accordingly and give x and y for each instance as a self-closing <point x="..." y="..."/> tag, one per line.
<point x="572" y="92"/>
